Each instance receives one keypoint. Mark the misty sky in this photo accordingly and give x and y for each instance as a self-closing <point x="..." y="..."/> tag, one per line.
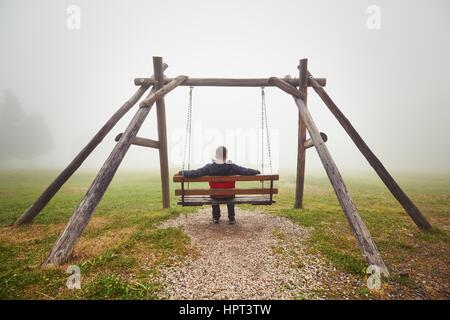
<point x="392" y="83"/>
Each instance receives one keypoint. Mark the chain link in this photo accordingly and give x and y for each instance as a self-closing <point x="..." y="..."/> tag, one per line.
<point x="265" y="125"/>
<point x="188" y="134"/>
<point x="262" y="129"/>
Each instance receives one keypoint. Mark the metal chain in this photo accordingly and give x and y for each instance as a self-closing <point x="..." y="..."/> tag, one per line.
<point x="188" y="133"/>
<point x="190" y="128"/>
<point x="262" y="129"/>
<point x="266" y="124"/>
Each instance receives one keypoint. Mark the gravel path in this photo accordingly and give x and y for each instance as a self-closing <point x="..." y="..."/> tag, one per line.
<point x="260" y="257"/>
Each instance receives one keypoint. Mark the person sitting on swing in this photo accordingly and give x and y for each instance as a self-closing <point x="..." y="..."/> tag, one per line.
<point x="220" y="167"/>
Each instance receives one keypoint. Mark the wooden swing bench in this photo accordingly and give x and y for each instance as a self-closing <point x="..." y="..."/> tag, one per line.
<point x="200" y="197"/>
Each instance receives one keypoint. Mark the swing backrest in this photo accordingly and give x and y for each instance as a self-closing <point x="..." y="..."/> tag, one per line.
<point x="198" y="197"/>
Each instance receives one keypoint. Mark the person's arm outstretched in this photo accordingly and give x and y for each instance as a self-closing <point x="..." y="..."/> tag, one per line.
<point x="244" y="171"/>
<point x="204" y="171"/>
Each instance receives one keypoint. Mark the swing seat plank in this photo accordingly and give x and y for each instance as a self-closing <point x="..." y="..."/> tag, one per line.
<point x="204" y="200"/>
<point x="252" y="195"/>
<point x="224" y="192"/>
<point x="259" y="177"/>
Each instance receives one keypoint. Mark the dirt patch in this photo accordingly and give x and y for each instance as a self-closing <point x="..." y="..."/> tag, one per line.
<point x="29" y="233"/>
<point x="87" y="248"/>
<point x="260" y="257"/>
<point x="146" y="258"/>
<point x="97" y="223"/>
<point x="74" y="190"/>
<point x="38" y="232"/>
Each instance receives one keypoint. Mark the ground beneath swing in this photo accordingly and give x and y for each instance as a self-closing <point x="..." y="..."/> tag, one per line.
<point x="260" y="257"/>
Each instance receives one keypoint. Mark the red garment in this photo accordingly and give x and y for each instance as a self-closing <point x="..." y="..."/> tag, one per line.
<point x="222" y="185"/>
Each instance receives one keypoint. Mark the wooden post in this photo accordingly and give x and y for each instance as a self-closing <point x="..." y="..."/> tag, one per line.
<point x="367" y="245"/>
<point x="162" y="132"/>
<point x="64" y="245"/>
<point x="301" y="139"/>
<point x="53" y="188"/>
<point x="376" y="164"/>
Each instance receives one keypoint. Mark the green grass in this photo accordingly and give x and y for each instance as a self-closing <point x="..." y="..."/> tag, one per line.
<point x="121" y="250"/>
<point x="384" y="217"/>
<point x="110" y="286"/>
<point x="397" y="238"/>
<point x="124" y="222"/>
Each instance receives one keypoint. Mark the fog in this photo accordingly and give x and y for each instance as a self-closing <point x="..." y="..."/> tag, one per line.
<point x="392" y="82"/>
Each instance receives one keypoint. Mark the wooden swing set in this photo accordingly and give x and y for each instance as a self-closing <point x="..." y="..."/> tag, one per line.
<point x="161" y="85"/>
<point x="214" y="196"/>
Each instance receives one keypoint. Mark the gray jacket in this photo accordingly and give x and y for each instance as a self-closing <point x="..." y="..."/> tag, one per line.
<point x="215" y="169"/>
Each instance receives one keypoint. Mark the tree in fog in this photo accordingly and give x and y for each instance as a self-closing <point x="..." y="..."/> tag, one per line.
<point x="22" y="136"/>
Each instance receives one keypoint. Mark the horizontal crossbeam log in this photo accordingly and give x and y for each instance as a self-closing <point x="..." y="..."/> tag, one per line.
<point x="274" y="177"/>
<point x="143" y="142"/>
<point x="226" y="82"/>
<point x="223" y="192"/>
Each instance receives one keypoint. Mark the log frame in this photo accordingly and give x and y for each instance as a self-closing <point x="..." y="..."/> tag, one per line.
<point x="226" y="82"/>
<point x="301" y="139"/>
<point x="63" y="247"/>
<point x="162" y="85"/>
<point x="407" y="204"/>
<point x="143" y="142"/>
<point x="162" y="133"/>
<point x="362" y="234"/>
<point x="28" y="216"/>
<point x="309" y="143"/>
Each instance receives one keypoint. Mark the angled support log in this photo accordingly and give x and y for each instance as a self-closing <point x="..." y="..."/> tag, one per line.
<point x="301" y="136"/>
<point x="366" y="244"/>
<point x="309" y="143"/>
<point x="162" y="133"/>
<point x="376" y="164"/>
<point x="143" y="142"/>
<point x="53" y="188"/>
<point x="64" y="245"/>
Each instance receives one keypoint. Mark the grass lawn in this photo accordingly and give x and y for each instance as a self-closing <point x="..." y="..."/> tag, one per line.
<point x="121" y="250"/>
